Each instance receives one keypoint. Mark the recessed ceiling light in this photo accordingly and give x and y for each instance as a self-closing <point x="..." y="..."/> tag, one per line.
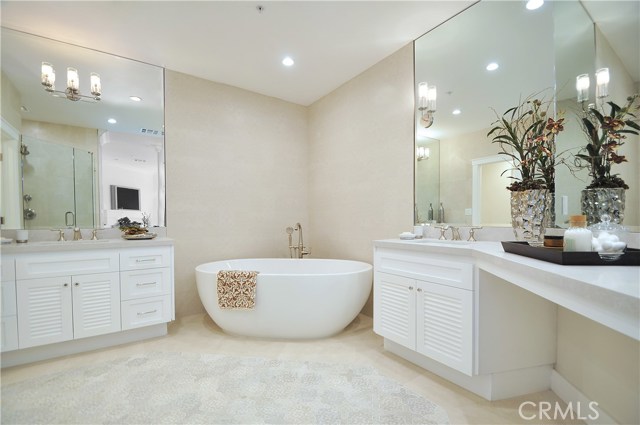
<point x="287" y="61"/>
<point x="24" y="108"/>
<point x="492" y="66"/>
<point x="135" y="98"/>
<point x="456" y="112"/>
<point x="534" y="4"/>
<point x="112" y="121"/>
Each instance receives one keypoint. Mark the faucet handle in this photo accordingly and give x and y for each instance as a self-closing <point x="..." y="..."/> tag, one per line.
<point x="442" y="230"/>
<point x="60" y="234"/>
<point x="472" y="233"/>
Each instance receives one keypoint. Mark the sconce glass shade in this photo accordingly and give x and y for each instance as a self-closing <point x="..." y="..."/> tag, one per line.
<point x="73" y="81"/>
<point x="432" y="94"/>
<point x="423" y="89"/>
<point x="48" y="76"/>
<point x="582" y="87"/>
<point x="422" y="153"/>
<point x="96" y="88"/>
<point x="602" y="83"/>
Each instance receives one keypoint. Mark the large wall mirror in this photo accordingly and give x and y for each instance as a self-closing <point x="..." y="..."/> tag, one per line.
<point x="536" y="52"/>
<point x="85" y="162"/>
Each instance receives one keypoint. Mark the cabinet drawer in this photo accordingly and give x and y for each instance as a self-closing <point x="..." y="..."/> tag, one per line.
<point x="145" y="312"/>
<point x="8" y="298"/>
<point x="9" y="333"/>
<point x="50" y="264"/>
<point x="145" y="258"/>
<point x="144" y="283"/>
<point x="417" y="265"/>
<point x="8" y="268"/>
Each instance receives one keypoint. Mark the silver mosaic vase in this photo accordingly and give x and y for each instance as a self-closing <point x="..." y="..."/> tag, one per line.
<point x="596" y="202"/>
<point x="530" y="210"/>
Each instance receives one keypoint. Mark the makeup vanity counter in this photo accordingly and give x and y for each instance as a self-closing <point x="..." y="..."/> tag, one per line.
<point x="486" y="319"/>
<point x="61" y="298"/>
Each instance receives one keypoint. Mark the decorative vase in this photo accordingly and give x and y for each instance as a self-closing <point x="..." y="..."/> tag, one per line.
<point x="530" y="211"/>
<point x="596" y="202"/>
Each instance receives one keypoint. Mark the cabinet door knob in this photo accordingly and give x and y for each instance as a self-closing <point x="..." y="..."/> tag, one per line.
<point x="411" y="288"/>
<point x="77" y="284"/>
<point x="419" y="289"/>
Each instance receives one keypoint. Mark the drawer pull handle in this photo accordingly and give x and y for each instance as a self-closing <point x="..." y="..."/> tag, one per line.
<point x="145" y="260"/>
<point x="145" y="284"/>
<point x="66" y="284"/>
<point x="147" y="312"/>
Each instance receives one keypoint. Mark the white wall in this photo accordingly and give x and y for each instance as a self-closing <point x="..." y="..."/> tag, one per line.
<point x="236" y="176"/>
<point x="361" y="154"/>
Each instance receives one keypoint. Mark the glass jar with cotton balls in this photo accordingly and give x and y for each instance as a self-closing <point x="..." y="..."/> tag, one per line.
<point x="609" y="238"/>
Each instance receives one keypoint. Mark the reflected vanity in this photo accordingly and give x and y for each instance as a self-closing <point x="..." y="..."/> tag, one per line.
<point x="60" y="157"/>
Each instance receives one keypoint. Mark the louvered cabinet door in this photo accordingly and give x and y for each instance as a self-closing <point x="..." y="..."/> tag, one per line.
<point x="96" y="304"/>
<point x="394" y="309"/>
<point x="44" y="311"/>
<point x="445" y="325"/>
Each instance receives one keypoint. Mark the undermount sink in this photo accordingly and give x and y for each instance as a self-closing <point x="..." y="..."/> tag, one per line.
<point x="82" y="241"/>
<point x="442" y="242"/>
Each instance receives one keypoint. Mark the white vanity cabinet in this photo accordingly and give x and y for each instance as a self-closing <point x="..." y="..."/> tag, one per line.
<point x="9" y="319"/>
<point x="426" y="305"/>
<point x="146" y="281"/>
<point x="69" y="297"/>
<point x="436" y="307"/>
<point x="66" y="296"/>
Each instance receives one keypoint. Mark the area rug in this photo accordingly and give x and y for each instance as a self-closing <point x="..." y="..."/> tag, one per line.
<point x="184" y="388"/>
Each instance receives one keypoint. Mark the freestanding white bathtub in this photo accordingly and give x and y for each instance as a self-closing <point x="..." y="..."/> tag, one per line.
<point x="295" y="298"/>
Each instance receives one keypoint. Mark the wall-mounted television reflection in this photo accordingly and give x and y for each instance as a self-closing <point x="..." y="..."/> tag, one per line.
<point x="125" y="198"/>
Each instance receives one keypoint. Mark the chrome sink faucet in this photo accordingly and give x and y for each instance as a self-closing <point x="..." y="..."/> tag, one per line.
<point x="455" y="233"/>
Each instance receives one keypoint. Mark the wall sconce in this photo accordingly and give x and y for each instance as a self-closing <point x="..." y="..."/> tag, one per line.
<point x="422" y="153"/>
<point x="48" y="80"/>
<point x="602" y="83"/>
<point x="426" y="103"/>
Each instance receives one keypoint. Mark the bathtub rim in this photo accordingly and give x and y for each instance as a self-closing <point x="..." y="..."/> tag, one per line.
<point x="369" y="267"/>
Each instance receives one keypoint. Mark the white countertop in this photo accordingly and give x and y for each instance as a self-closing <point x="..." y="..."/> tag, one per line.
<point x="57" y="246"/>
<point x="609" y="295"/>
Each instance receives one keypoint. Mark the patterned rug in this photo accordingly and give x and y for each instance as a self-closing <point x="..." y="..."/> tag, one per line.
<point x="183" y="388"/>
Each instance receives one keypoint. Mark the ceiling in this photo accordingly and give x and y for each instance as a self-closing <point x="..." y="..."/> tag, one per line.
<point x="232" y="42"/>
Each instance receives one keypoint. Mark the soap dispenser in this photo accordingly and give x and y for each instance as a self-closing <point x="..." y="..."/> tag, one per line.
<point x="430" y="213"/>
<point x="441" y="214"/>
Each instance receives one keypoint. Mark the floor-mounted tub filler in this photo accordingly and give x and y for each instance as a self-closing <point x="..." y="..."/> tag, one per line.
<point x="310" y="298"/>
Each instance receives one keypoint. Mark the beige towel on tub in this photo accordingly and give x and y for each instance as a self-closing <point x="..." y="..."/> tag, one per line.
<point x="237" y="289"/>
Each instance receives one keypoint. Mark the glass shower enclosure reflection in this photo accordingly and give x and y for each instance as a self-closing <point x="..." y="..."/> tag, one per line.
<point x="57" y="185"/>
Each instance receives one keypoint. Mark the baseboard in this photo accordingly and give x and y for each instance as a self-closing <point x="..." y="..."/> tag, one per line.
<point x="491" y="386"/>
<point x="50" y="351"/>
<point x="571" y="395"/>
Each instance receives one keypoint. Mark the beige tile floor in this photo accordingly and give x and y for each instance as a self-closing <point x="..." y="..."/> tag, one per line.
<point x="357" y="344"/>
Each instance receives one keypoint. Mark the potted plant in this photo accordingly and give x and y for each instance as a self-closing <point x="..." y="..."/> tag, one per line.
<point x="605" y="133"/>
<point x="526" y="135"/>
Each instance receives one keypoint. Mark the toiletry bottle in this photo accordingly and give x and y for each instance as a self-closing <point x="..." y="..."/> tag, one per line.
<point x="441" y="214"/>
<point x="577" y="237"/>
<point x="430" y="213"/>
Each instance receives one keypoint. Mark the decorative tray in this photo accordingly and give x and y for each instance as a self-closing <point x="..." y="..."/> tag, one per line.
<point x="140" y="236"/>
<point x="631" y="256"/>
